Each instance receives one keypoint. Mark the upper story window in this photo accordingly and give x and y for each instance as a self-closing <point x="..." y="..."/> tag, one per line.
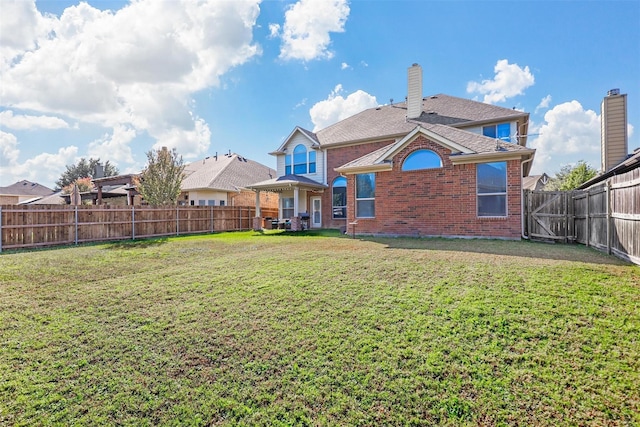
<point x="492" y="188"/>
<point x="301" y="161"/>
<point x="421" y="159"/>
<point x="501" y="131"/>
<point x="339" y="197"/>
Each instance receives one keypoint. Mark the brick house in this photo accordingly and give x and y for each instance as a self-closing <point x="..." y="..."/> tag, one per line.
<point x="430" y="166"/>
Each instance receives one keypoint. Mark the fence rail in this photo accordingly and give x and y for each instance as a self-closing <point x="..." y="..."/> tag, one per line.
<point x="606" y="216"/>
<point x="50" y="225"/>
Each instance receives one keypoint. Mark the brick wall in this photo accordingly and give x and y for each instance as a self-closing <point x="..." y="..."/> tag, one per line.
<point x="433" y="202"/>
<point x="336" y="158"/>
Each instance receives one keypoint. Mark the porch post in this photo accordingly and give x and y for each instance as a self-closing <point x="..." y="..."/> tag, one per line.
<point x="296" y="197"/>
<point x="257" y="220"/>
<point x="258" y="212"/>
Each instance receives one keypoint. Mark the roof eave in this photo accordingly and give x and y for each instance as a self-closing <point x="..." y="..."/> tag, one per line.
<point x="462" y="159"/>
<point x="380" y="167"/>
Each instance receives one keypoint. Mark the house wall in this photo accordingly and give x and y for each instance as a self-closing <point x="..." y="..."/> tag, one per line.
<point x="435" y="202"/>
<point x="296" y="139"/>
<point x="337" y="157"/>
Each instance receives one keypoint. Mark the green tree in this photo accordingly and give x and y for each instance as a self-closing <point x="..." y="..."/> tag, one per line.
<point x="160" y="181"/>
<point x="571" y="177"/>
<point x="83" y="169"/>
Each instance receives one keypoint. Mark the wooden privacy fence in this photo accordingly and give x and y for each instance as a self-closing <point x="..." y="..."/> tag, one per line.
<point x="605" y="216"/>
<point x="48" y="225"/>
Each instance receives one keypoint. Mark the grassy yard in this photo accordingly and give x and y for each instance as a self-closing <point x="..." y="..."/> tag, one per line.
<point x="281" y="329"/>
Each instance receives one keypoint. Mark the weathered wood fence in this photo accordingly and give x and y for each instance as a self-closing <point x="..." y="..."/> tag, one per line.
<point x="606" y="216"/>
<point x="32" y="226"/>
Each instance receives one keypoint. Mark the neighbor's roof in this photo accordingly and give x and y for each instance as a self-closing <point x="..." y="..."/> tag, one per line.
<point x="26" y="188"/>
<point x="227" y="172"/>
<point x="390" y="120"/>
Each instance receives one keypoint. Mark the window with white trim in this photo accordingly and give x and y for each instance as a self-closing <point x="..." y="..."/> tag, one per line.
<point x="492" y="188"/>
<point x="301" y="161"/>
<point x="287" y="207"/>
<point x="365" y="195"/>
<point x="339" y="197"/>
<point x="501" y="131"/>
<point x="421" y="159"/>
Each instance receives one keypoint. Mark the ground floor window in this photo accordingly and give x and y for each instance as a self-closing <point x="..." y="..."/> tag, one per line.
<point x="365" y="195"/>
<point x="339" y="198"/>
<point x="287" y="207"/>
<point x="492" y="189"/>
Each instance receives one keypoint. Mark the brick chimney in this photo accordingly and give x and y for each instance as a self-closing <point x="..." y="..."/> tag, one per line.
<point x="414" y="92"/>
<point x="613" y="134"/>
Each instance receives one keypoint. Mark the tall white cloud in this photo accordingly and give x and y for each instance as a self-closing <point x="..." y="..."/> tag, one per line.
<point x="569" y="134"/>
<point x="510" y="80"/>
<point x="336" y="107"/>
<point x="135" y="69"/>
<point x="307" y="27"/>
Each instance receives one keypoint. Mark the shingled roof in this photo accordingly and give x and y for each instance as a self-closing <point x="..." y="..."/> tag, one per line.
<point x="26" y="188"/>
<point x="465" y="147"/>
<point x="390" y="120"/>
<point x="229" y="172"/>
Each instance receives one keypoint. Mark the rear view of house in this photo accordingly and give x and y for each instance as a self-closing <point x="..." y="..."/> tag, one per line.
<point x="430" y="166"/>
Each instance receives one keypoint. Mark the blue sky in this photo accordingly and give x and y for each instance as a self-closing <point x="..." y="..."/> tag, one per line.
<point x="115" y="79"/>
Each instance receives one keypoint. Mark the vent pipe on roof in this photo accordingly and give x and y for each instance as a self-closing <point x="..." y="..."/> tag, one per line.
<point x="613" y="133"/>
<point x="414" y="91"/>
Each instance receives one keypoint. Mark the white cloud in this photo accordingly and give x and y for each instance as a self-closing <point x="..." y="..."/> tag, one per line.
<point x="274" y="30"/>
<point x="569" y="134"/>
<point x="114" y="147"/>
<point x="137" y="67"/>
<point x="305" y="34"/>
<point x="510" y="80"/>
<point x="336" y="107"/>
<point x="344" y="66"/>
<point x="189" y="143"/>
<point x="45" y="168"/>
<point x="544" y="103"/>
<point x="22" y="121"/>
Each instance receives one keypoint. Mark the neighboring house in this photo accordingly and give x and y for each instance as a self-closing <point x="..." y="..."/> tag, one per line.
<point x="434" y="166"/>
<point x="221" y="180"/>
<point x="535" y="182"/>
<point x="22" y="192"/>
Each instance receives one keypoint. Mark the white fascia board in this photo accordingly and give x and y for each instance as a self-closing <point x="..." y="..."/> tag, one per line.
<point x="280" y="149"/>
<point x="461" y="159"/>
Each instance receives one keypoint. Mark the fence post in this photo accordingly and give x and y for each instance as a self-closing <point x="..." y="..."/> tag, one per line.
<point x="588" y="222"/>
<point x="76" y="224"/>
<point x="177" y="221"/>
<point x="608" y="217"/>
<point x="211" y="213"/>
<point x="133" y="222"/>
<point x="0" y="228"/>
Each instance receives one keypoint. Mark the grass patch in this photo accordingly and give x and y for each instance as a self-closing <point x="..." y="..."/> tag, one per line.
<point x="316" y="328"/>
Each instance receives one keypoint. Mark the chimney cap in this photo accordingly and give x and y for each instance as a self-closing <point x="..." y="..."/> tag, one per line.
<point x="613" y="92"/>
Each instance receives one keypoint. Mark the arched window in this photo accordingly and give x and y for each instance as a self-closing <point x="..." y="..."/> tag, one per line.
<point x="300" y="159"/>
<point x="339" y="198"/>
<point x="422" y="159"/>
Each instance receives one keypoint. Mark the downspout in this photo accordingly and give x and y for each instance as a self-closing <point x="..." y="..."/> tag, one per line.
<point x="522" y="197"/>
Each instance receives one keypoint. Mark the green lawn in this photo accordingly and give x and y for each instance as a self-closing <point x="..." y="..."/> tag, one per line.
<point x="286" y="329"/>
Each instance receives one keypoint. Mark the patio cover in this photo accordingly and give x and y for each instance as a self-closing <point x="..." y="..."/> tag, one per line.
<point x="287" y="182"/>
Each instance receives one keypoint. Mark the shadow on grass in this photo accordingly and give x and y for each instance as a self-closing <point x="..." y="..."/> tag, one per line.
<point x="137" y="244"/>
<point x="516" y="248"/>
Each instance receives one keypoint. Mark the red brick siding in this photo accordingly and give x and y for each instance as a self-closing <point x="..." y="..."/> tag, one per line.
<point x="337" y="157"/>
<point x="434" y="202"/>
